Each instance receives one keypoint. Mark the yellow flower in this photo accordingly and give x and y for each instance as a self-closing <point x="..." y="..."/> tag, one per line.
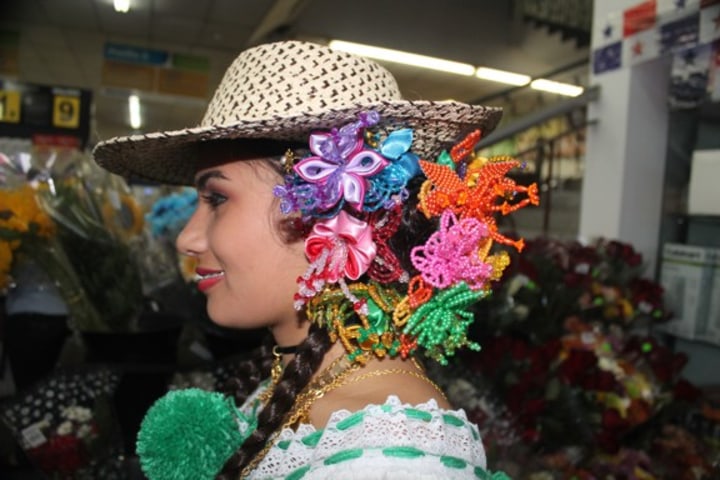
<point x="6" y="257"/>
<point x="21" y="210"/>
<point x="122" y="214"/>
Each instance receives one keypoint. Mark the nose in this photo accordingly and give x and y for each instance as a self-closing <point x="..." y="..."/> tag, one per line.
<point x="192" y="240"/>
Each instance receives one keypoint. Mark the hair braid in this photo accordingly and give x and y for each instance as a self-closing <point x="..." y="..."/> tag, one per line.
<point x="247" y="374"/>
<point x="295" y="377"/>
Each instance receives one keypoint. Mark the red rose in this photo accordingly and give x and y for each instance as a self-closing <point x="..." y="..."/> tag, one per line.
<point x="535" y="406"/>
<point x="686" y="391"/>
<point x="611" y="420"/>
<point x="608" y="441"/>
<point x="600" y="381"/>
<point x="576" y="365"/>
<point x="530" y="435"/>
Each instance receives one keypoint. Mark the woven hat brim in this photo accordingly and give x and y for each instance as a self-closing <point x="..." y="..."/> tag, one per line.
<point x="170" y="157"/>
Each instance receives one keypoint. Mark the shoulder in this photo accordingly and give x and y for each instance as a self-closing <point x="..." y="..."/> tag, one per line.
<point x="373" y="384"/>
<point x="391" y="438"/>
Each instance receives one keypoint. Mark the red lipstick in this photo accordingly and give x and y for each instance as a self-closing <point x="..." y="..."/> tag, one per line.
<point x="208" y="278"/>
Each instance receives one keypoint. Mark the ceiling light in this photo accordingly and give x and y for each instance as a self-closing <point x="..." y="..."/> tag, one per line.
<point x="134" y="107"/>
<point x="403" y="57"/>
<point x="122" y="6"/>
<point x="556" y="87"/>
<point x="502" y="76"/>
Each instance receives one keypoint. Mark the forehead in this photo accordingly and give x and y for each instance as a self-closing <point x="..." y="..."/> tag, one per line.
<point x="238" y="172"/>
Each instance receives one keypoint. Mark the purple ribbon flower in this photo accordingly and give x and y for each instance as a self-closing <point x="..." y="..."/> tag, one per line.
<point x="341" y="163"/>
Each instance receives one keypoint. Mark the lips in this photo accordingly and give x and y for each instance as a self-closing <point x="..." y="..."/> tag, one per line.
<point x="207" y="278"/>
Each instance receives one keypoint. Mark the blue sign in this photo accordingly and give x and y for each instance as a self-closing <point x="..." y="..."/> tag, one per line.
<point x="131" y="54"/>
<point x="607" y="58"/>
<point x="680" y="33"/>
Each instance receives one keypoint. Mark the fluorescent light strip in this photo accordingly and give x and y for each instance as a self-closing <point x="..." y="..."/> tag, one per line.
<point x="556" y="87"/>
<point x="121" y="6"/>
<point x="134" y="107"/>
<point x="466" y="69"/>
<point x="406" y="58"/>
<point x="502" y="76"/>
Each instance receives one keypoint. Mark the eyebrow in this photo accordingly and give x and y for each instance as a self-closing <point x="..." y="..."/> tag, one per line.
<point x="202" y="180"/>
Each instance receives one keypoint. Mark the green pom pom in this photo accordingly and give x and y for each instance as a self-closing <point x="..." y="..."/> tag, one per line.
<point x="190" y="434"/>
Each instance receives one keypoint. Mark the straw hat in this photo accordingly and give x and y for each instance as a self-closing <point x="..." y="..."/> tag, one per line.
<point x="284" y="91"/>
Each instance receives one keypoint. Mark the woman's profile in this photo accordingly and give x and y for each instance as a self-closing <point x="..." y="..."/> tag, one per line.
<point x="357" y="227"/>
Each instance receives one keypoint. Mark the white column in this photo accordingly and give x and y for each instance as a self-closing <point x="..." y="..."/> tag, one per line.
<point x="625" y="159"/>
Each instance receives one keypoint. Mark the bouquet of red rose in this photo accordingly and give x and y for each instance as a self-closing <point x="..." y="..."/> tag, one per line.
<point x="569" y="351"/>
<point x="66" y="424"/>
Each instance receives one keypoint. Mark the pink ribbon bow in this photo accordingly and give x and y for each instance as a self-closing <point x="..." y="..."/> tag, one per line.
<point x="349" y="241"/>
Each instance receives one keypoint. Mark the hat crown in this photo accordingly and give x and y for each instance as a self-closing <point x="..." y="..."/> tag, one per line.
<point x="292" y="77"/>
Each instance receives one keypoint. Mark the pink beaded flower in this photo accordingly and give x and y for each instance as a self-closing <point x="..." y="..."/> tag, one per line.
<point x="452" y="254"/>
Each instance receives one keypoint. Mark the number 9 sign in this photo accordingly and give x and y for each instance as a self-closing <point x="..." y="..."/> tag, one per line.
<point x="66" y="111"/>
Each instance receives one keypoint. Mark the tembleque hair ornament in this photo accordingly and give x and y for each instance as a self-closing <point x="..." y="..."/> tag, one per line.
<point x="351" y="190"/>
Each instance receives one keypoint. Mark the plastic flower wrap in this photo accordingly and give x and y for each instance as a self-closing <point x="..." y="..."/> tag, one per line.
<point x="67" y="426"/>
<point x="76" y="222"/>
<point x="22" y="221"/>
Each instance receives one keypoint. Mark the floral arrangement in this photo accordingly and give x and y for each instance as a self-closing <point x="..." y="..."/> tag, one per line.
<point x="66" y="424"/>
<point x="77" y="223"/>
<point x="587" y="390"/>
<point x="21" y="221"/>
<point x="349" y="193"/>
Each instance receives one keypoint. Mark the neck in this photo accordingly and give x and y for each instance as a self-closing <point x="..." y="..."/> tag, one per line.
<point x="290" y="332"/>
<point x="335" y="351"/>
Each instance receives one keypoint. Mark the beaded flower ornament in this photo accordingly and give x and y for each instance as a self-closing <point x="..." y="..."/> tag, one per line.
<point x="350" y="192"/>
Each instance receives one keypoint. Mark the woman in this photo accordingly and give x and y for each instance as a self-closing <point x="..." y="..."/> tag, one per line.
<point x="321" y="219"/>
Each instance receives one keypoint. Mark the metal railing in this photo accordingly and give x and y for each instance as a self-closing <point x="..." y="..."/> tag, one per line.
<point x="543" y="157"/>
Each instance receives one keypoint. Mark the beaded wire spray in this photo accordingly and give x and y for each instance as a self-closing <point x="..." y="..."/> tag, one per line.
<point x="351" y="190"/>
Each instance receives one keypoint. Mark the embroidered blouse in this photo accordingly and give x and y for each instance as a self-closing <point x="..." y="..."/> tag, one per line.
<point x="393" y="440"/>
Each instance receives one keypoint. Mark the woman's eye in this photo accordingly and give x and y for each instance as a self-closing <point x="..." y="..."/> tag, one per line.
<point x="213" y="199"/>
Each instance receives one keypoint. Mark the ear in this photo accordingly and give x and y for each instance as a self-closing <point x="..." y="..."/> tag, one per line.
<point x="292" y="229"/>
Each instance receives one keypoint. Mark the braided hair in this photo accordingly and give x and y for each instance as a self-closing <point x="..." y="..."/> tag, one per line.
<point x="248" y="373"/>
<point x="295" y="377"/>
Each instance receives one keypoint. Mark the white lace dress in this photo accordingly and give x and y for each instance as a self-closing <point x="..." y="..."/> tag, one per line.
<point x="388" y="441"/>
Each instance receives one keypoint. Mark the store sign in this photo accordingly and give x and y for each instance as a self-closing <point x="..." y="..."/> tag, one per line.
<point x="136" y="68"/>
<point x="131" y="54"/>
<point x="29" y="111"/>
<point x="9" y="106"/>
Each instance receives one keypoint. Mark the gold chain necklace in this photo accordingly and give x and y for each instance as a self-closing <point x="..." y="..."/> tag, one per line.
<point x="403" y="371"/>
<point x="334" y="376"/>
<point x="276" y="372"/>
<point x="329" y="379"/>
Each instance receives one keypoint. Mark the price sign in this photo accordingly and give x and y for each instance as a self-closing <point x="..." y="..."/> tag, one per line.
<point x="57" y="116"/>
<point x="9" y="106"/>
<point x="66" y="111"/>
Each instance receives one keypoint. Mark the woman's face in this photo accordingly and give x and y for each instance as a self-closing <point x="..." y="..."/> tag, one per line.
<point x="248" y="266"/>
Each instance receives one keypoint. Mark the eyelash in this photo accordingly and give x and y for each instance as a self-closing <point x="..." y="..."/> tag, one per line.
<point x="213" y="199"/>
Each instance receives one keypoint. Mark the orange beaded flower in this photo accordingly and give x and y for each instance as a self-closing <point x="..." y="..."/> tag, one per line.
<point x="483" y="192"/>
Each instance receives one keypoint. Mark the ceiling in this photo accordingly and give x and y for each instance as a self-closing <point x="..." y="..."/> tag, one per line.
<point x="61" y="44"/>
